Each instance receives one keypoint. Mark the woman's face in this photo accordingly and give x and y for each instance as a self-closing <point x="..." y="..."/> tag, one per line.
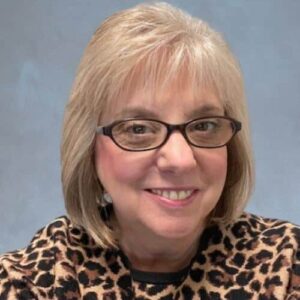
<point x="142" y="184"/>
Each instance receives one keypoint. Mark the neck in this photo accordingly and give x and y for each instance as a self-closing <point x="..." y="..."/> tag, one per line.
<point x="159" y="254"/>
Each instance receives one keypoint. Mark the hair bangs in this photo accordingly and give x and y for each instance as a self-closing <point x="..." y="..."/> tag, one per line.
<point x="189" y="67"/>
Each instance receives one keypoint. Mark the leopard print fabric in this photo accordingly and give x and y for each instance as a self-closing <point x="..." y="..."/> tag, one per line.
<point x="252" y="258"/>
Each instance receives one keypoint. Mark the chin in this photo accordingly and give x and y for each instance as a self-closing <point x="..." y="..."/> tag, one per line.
<point x="177" y="230"/>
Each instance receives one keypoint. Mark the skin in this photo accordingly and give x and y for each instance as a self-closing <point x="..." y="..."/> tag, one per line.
<point x="158" y="237"/>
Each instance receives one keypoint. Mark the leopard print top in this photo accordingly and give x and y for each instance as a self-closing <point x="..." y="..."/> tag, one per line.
<point x="252" y="258"/>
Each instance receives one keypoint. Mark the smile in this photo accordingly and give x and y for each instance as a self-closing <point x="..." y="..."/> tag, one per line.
<point x="172" y="194"/>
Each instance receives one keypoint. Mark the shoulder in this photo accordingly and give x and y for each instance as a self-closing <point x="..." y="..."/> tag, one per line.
<point x="260" y="255"/>
<point x="251" y="233"/>
<point x="268" y="229"/>
<point x="55" y="249"/>
<point x="254" y="242"/>
<point x="268" y="246"/>
<point x="249" y="230"/>
<point x="57" y="235"/>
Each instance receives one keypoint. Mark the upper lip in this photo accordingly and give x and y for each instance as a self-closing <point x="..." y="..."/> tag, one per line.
<point x="183" y="188"/>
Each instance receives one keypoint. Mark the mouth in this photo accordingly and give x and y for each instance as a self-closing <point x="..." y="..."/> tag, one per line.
<point x="173" y="195"/>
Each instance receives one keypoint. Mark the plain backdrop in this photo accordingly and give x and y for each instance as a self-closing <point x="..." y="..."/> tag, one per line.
<point x="41" y="43"/>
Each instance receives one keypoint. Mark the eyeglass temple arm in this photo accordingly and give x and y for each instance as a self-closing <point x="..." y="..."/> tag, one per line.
<point x="100" y="130"/>
<point x="238" y="125"/>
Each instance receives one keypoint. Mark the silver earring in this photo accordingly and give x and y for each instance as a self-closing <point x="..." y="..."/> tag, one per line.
<point x="107" y="198"/>
<point x="106" y="202"/>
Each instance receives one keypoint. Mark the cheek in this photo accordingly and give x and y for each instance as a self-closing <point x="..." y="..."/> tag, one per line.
<point x="214" y="163"/>
<point x="116" y="166"/>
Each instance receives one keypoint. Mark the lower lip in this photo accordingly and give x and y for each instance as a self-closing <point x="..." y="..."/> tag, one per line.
<point x="173" y="203"/>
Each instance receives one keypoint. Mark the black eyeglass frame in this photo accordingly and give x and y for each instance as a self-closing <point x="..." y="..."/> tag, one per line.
<point x="107" y="131"/>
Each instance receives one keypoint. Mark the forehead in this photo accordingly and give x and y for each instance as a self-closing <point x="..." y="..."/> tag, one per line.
<point x="177" y="97"/>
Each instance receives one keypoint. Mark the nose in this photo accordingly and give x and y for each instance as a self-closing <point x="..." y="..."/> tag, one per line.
<point x="176" y="155"/>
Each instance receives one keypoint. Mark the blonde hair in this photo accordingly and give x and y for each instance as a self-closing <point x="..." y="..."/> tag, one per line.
<point x="148" y="46"/>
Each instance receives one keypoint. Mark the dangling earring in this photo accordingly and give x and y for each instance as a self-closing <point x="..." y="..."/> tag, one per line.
<point x="107" y="198"/>
<point x="106" y="206"/>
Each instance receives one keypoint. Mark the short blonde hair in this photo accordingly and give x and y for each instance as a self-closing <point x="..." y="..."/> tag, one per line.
<point x="148" y="46"/>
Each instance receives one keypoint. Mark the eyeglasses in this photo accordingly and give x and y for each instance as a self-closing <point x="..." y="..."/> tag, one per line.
<point x="149" y="134"/>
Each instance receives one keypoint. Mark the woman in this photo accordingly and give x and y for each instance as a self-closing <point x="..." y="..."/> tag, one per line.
<point x="156" y="172"/>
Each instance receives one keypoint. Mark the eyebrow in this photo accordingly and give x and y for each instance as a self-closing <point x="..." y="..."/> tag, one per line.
<point x="142" y="112"/>
<point x="206" y="110"/>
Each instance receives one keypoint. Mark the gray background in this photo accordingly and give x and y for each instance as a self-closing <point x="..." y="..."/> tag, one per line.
<point x="41" y="43"/>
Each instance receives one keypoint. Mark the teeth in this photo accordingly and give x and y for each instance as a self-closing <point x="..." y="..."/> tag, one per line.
<point x="173" y="195"/>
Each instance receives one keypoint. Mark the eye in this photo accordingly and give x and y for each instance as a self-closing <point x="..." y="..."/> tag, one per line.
<point x="143" y="127"/>
<point x="138" y="129"/>
<point x="208" y="125"/>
